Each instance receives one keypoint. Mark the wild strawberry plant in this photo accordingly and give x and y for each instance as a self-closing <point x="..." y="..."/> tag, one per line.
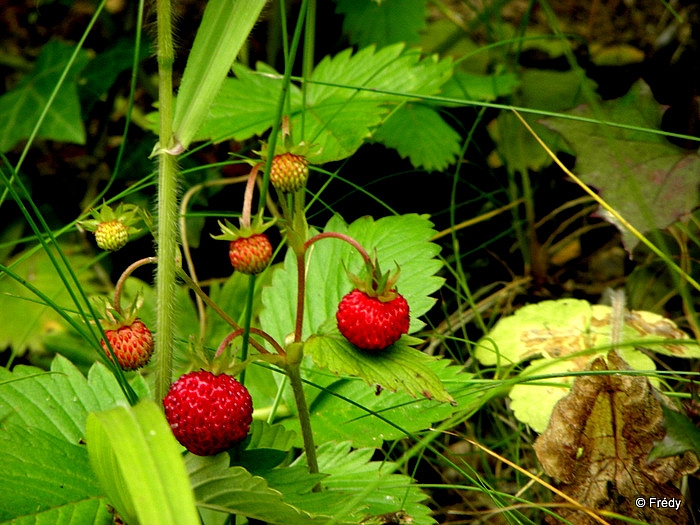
<point x="279" y="393"/>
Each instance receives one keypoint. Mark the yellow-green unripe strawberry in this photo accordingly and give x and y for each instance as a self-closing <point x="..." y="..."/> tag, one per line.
<point x="289" y="172"/>
<point x="111" y="235"/>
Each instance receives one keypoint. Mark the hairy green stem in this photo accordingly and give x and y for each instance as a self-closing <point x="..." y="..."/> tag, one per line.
<point x="166" y="234"/>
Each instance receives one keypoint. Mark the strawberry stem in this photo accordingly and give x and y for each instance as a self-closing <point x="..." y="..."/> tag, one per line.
<point x="248" y="197"/>
<point x="337" y="235"/>
<point x="166" y="236"/>
<point x="236" y="333"/>
<point x="122" y="279"/>
<point x="294" y="374"/>
<point x="200" y="293"/>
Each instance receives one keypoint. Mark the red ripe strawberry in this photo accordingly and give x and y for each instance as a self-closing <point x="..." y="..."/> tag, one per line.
<point x="371" y="323"/>
<point x="250" y="254"/>
<point x="208" y="413"/>
<point x="132" y="345"/>
<point x="289" y="172"/>
<point x="111" y="235"/>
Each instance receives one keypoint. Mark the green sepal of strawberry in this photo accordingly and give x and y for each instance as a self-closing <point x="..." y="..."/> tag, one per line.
<point x="375" y="283"/>
<point x="129" y="215"/>
<point x="229" y="232"/>
<point x="112" y="318"/>
<point x="113" y="228"/>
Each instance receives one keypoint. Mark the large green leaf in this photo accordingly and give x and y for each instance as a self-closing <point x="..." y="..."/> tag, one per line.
<point x="21" y="107"/>
<point x="402" y="240"/>
<point x="350" y="410"/>
<point x="234" y="490"/>
<point x="46" y="479"/>
<point x="138" y="463"/>
<point x="355" y="488"/>
<point x="343" y="104"/>
<point x="382" y="23"/>
<point x="56" y="402"/>
<point x="46" y="474"/>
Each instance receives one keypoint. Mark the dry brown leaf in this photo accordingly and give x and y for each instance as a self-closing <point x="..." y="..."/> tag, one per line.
<point x="597" y="444"/>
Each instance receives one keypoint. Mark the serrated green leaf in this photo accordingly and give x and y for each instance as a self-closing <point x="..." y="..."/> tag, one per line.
<point x="382" y="23"/>
<point x="398" y="367"/>
<point x="419" y="133"/>
<point x="350" y="410"/>
<point x="343" y="100"/>
<point x="88" y="512"/>
<point x="43" y="474"/>
<point x="137" y="460"/>
<point x="56" y="402"/>
<point x="234" y="490"/>
<point x="357" y="488"/>
<point x="21" y="107"/>
<point x="402" y="240"/>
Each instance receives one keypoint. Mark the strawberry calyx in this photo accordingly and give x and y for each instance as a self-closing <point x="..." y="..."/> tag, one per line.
<point x="229" y="232"/>
<point x="381" y="286"/>
<point x="113" y="317"/>
<point x="125" y="219"/>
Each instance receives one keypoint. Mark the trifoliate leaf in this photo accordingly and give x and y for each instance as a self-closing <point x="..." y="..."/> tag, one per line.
<point x="382" y="22"/>
<point x="346" y="98"/>
<point x="21" y="107"/>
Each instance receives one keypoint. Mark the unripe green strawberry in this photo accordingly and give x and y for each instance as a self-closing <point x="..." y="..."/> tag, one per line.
<point x="111" y="235"/>
<point x="370" y="323"/>
<point x="289" y="172"/>
<point x="132" y="345"/>
<point x="208" y="413"/>
<point x="250" y="255"/>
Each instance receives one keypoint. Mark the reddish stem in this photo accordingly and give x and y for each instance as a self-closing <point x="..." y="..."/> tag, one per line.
<point x="336" y="235"/>
<point x="248" y="197"/>
<point x="236" y="333"/>
<point x="122" y="279"/>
